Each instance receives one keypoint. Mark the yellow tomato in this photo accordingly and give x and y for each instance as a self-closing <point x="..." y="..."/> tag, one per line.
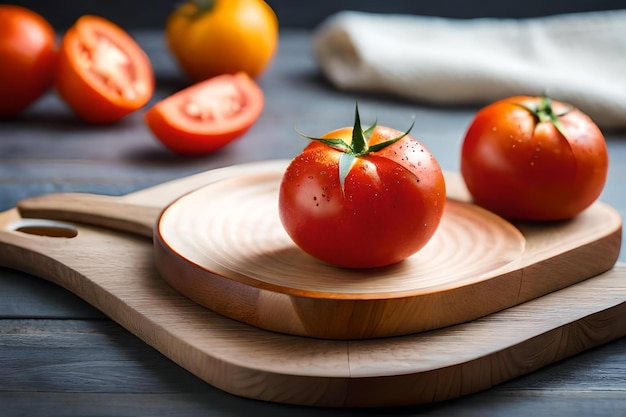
<point x="213" y="37"/>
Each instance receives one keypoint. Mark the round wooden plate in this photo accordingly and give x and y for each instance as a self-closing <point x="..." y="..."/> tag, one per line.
<point x="223" y="246"/>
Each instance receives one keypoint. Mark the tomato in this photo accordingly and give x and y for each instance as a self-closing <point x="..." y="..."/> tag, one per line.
<point x="27" y="56"/>
<point x="213" y="37"/>
<point x="208" y="115"/>
<point x="532" y="158"/>
<point x="362" y="199"/>
<point x="103" y="73"/>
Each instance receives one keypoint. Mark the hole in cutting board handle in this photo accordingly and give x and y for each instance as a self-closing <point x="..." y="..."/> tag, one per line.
<point x="41" y="227"/>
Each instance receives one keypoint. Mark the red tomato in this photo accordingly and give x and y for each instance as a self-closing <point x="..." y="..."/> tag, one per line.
<point x="103" y="73"/>
<point x="362" y="207"/>
<point x="531" y="158"/>
<point x="208" y="115"/>
<point x="27" y="58"/>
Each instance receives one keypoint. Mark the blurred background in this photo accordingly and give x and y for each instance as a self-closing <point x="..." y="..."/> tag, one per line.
<point x="146" y="14"/>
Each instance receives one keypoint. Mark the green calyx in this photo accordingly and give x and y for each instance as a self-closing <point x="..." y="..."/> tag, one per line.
<point x="543" y="112"/>
<point x="203" y="6"/>
<point x="359" y="146"/>
<point x="360" y="139"/>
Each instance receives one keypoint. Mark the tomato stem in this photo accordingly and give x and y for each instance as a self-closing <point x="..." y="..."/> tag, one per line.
<point x="203" y="6"/>
<point x="359" y="137"/>
<point x="544" y="112"/>
<point x="359" y="145"/>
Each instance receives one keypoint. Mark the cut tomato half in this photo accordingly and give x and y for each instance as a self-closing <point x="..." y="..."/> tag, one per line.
<point x="103" y="73"/>
<point x="208" y="115"/>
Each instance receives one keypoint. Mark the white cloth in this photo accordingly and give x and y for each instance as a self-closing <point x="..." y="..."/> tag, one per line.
<point x="579" y="58"/>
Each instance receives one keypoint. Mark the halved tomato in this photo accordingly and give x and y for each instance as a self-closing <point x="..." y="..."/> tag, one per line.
<point x="208" y="115"/>
<point x="103" y="73"/>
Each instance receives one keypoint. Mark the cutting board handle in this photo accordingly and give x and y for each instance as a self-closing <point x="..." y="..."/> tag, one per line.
<point x="136" y="212"/>
<point x="99" y="210"/>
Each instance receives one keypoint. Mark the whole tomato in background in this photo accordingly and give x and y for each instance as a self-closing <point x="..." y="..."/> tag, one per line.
<point x="103" y="74"/>
<point x="207" y="115"/>
<point x="27" y="58"/>
<point x="362" y="199"/>
<point x="532" y="158"/>
<point x="213" y="37"/>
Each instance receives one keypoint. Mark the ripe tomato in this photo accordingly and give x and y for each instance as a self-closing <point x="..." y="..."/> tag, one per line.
<point x="208" y="115"/>
<point x="27" y="58"/>
<point x="362" y="199"/>
<point x="103" y="73"/>
<point x="531" y="158"/>
<point x="213" y="37"/>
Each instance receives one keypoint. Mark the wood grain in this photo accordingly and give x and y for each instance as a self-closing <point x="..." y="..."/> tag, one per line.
<point x="222" y="246"/>
<point x="136" y="212"/>
<point x="115" y="272"/>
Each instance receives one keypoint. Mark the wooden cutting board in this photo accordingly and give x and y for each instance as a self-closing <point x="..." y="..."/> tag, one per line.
<point x="218" y="241"/>
<point x="115" y="272"/>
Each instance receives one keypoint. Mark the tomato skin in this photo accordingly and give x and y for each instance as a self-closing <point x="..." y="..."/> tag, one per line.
<point x="191" y="134"/>
<point x="103" y="74"/>
<point x="224" y="37"/>
<point x="525" y="169"/>
<point x="28" y="56"/>
<point x="390" y="207"/>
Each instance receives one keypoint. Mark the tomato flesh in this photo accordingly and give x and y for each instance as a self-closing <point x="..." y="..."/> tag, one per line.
<point x="388" y="208"/>
<point x="208" y="115"/>
<point x="111" y="66"/>
<point x="216" y="103"/>
<point x="103" y="73"/>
